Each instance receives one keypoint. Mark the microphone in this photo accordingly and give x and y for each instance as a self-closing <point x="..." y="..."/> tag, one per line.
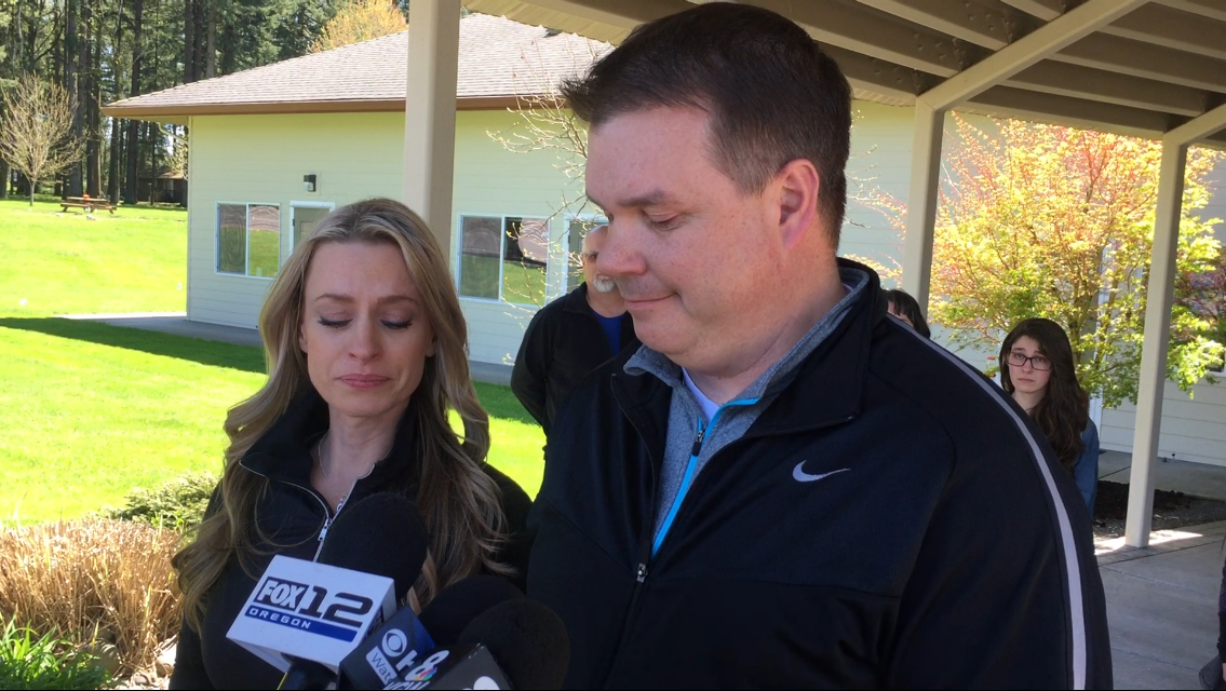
<point x="399" y="643"/>
<point x="516" y="644"/>
<point x="382" y="534"/>
<point x="303" y="617"/>
<point x="458" y="605"/>
<point x="528" y="640"/>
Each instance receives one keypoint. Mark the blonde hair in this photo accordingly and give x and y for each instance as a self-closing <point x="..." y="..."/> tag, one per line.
<point x="459" y="503"/>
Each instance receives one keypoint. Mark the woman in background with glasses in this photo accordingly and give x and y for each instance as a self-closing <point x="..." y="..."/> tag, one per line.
<point x="1039" y="373"/>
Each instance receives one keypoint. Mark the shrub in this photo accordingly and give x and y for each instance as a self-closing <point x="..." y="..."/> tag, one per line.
<point x="178" y="504"/>
<point x="93" y="578"/>
<point x="29" y="661"/>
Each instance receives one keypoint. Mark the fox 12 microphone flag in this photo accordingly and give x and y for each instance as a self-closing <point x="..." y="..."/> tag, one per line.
<point x="311" y="611"/>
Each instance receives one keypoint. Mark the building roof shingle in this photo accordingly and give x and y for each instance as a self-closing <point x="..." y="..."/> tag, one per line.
<point x="499" y="60"/>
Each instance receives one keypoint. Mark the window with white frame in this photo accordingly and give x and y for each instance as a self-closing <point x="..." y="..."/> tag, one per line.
<point x="249" y="239"/>
<point x="304" y="216"/>
<point x="504" y="258"/>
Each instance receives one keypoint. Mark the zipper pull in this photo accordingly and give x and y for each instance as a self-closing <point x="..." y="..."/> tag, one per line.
<point x="323" y="532"/>
<point x="642" y="573"/>
<point x="697" y="448"/>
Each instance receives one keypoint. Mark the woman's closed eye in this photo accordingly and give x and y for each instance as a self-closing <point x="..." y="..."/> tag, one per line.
<point x="394" y="324"/>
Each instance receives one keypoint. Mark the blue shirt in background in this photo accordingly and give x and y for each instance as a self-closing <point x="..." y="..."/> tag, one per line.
<point x="1085" y="470"/>
<point x="612" y="330"/>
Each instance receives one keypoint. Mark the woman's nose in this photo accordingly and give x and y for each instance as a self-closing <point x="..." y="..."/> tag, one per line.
<point x="365" y="342"/>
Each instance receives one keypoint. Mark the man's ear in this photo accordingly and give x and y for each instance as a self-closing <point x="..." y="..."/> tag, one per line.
<point x="799" y="186"/>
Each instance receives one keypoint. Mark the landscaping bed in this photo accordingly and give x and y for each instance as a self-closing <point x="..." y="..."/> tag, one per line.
<point x="1171" y="510"/>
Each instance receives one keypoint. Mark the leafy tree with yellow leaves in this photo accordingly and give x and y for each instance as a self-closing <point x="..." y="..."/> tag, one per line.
<point x="361" y="20"/>
<point x="1042" y="221"/>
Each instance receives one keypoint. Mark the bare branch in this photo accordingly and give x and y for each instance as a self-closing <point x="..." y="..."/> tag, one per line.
<point x="36" y="135"/>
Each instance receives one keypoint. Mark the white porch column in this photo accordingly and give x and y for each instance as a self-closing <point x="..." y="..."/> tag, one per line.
<point x="429" y="113"/>
<point x="922" y="201"/>
<point x="1160" y="296"/>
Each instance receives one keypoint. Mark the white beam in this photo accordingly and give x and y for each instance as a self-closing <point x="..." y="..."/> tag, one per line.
<point x="1060" y="33"/>
<point x="1075" y="81"/>
<point x="1146" y="60"/>
<point x="879" y="77"/>
<point x="1195" y="130"/>
<point x="1046" y="10"/>
<point x="987" y="23"/>
<point x="1073" y="112"/>
<point x="532" y="15"/>
<point x="1164" y="26"/>
<point x="877" y="34"/>
<point x="429" y="114"/>
<point x="1160" y="295"/>
<point x="624" y="13"/>
<point x="1213" y="9"/>
<point x="922" y="203"/>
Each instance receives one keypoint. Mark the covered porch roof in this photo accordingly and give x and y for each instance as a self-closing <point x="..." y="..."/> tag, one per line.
<point x="1126" y="66"/>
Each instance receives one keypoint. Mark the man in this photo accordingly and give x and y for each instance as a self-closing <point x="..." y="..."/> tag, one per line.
<point x="783" y="487"/>
<point x="570" y="337"/>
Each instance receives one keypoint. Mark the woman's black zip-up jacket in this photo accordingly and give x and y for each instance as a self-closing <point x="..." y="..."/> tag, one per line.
<point x="292" y="514"/>
<point x="891" y="520"/>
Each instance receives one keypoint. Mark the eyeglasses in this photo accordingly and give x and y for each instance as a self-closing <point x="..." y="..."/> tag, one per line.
<point x="1038" y="362"/>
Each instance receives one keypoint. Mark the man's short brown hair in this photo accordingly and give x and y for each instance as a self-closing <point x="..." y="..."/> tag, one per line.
<point x="771" y="93"/>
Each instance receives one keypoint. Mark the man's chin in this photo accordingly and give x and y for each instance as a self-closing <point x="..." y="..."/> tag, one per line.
<point x="657" y="332"/>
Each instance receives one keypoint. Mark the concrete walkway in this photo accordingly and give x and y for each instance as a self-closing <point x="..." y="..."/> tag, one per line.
<point x="1162" y="600"/>
<point x="177" y="323"/>
<point x="1162" y="607"/>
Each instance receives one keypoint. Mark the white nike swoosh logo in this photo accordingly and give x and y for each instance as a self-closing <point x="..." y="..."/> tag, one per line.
<point x="801" y="476"/>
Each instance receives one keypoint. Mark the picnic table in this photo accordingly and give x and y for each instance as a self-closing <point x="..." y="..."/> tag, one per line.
<point x="87" y="203"/>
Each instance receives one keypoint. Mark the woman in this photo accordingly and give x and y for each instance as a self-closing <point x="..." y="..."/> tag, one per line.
<point x="900" y="304"/>
<point x="367" y="353"/>
<point x="1040" y="375"/>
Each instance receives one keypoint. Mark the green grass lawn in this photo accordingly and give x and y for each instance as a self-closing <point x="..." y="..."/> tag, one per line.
<point x="90" y="411"/>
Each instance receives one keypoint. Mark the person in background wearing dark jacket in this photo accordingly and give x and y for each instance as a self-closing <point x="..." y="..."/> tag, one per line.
<point x="1040" y="374"/>
<point x="900" y="304"/>
<point x="366" y="355"/>
<point x="783" y="487"/>
<point x="570" y="337"/>
<point x="1213" y="674"/>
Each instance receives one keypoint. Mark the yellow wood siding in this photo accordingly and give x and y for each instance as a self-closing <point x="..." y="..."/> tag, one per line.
<point x="262" y="158"/>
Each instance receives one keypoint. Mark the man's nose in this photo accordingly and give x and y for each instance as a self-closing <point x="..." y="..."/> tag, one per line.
<point x="620" y="255"/>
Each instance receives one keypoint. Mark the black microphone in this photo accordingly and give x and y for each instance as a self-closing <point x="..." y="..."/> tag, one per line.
<point x="458" y="605"/>
<point x="517" y="644"/>
<point x="528" y="640"/>
<point x="382" y="535"/>
<point x="399" y="644"/>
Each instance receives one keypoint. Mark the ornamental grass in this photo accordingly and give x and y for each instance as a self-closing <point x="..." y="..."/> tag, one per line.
<point x="99" y="582"/>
